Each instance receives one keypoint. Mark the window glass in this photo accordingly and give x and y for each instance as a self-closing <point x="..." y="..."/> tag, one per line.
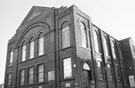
<point x="11" y="58"/>
<point x="9" y="79"/>
<point x="105" y="46"/>
<point x="31" y="75"/>
<point x="113" y="50"/>
<point x="41" y="73"/>
<point x="32" y="50"/>
<point x="86" y="66"/>
<point x="109" y="71"/>
<point x="83" y="34"/>
<point x="22" y="77"/>
<point x="87" y="73"/>
<point x="67" y="68"/>
<point x="24" y="53"/>
<point x="41" y="46"/>
<point x="99" y="69"/>
<point x="118" y="73"/>
<point x="65" y="37"/>
<point x="96" y="42"/>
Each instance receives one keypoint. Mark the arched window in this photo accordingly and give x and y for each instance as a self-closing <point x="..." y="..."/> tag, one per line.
<point x="41" y="44"/>
<point x="96" y="41"/>
<point x="113" y="50"/>
<point x="11" y="57"/>
<point x="105" y="46"/>
<point x="23" y="52"/>
<point x="31" y="54"/>
<point x="65" y="35"/>
<point x="83" y="34"/>
<point x="87" y="74"/>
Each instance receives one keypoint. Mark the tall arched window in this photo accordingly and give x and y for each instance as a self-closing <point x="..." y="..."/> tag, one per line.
<point x="11" y="57"/>
<point x="83" y="34"/>
<point x="96" y="41"/>
<point x="41" y="44"/>
<point x="87" y="73"/>
<point x="31" y="54"/>
<point x="105" y="46"/>
<point x="23" y="52"/>
<point x="65" y="35"/>
<point x="113" y="50"/>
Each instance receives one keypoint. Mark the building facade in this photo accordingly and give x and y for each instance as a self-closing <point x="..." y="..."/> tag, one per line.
<point x="1" y="85"/>
<point x="62" y="48"/>
<point x="128" y="51"/>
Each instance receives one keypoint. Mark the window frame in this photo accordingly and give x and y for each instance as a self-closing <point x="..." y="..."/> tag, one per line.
<point x="118" y="75"/>
<point x="22" y="76"/>
<point x="41" y="51"/>
<point x="97" y="46"/>
<point x="23" y="51"/>
<point x="113" y="46"/>
<point x="106" y="47"/>
<point x="31" y="48"/>
<point x="30" y="74"/>
<point x="109" y="72"/>
<point x="38" y="80"/>
<point x="41" y="44"/>
<point x="83" y="34"/>
<point x="9" y="79"/>
<point x="69" y="76"/>
<point x="87" y="72"/>
<point x="11" y="57"/>
<point x="100" y="69"/>
<point x="65" y="36"/>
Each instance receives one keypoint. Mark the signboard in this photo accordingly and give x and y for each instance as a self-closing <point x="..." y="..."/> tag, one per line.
<point x="40" y="87"/>
<point x="51" y="75"/>
<point x="67" y="84"/>
<point x="132" y="80"/>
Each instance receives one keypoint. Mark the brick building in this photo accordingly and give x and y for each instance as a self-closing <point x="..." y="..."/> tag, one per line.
<point x="128" y="51"/>
<point x="62" y="48"/>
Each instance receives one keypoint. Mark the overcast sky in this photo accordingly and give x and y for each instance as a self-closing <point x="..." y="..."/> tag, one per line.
<point x="116" y="17"/>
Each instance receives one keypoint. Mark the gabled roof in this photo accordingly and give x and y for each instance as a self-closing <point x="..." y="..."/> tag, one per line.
<point x="33" y="13"/>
